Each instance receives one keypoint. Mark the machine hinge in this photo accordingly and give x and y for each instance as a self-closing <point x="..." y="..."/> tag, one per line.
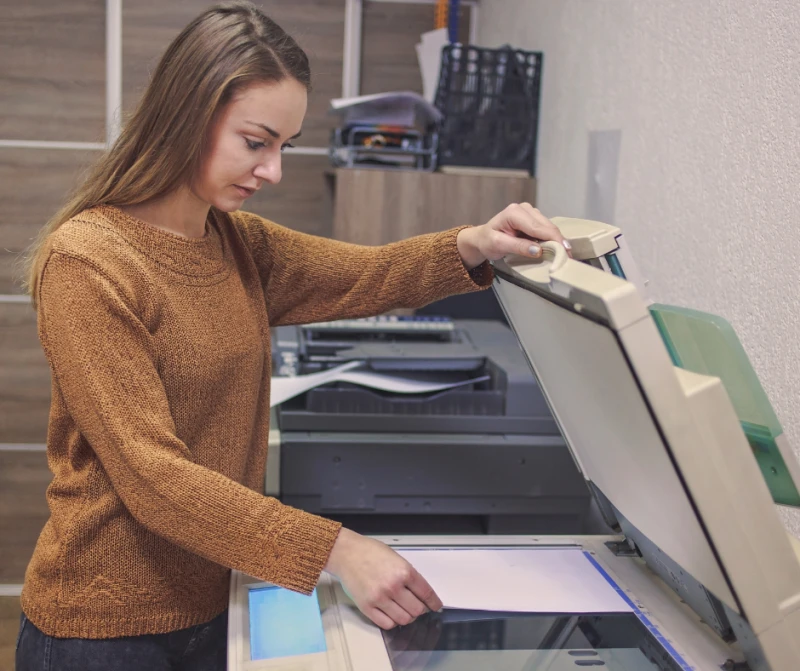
<point x="623" y="548"/>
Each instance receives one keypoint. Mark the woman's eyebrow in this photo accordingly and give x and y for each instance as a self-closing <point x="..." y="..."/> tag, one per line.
<point x="272" y="132"/>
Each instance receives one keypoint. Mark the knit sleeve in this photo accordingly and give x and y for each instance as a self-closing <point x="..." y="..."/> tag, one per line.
<point x="308" y="278"/>
<point x="103" y="362"/>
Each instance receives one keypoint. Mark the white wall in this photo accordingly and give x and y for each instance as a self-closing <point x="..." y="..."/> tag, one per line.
<point x="707" y="97"/>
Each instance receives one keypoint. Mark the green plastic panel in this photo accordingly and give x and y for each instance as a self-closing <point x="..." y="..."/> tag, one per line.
<point x="707" y="344"/>
<point x="614" y="266"/>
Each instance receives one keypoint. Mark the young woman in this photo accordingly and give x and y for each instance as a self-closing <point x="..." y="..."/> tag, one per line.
<point x="155" y="295"/>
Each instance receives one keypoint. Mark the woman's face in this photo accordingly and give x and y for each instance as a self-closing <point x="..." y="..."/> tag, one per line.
<point x="247" y="140"/>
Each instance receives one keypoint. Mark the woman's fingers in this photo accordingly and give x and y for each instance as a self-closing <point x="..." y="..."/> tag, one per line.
<point x="532" y="223"/>
<point x="422" y="590"/>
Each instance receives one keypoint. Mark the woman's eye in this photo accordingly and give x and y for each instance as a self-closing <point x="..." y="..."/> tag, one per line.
<point x="288" y="145"/>
<point x="252" y="144"/>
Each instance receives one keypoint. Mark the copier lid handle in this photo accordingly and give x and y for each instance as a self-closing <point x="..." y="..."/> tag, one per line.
<point x="553" y="257"/>
<point x="559" y="254"/>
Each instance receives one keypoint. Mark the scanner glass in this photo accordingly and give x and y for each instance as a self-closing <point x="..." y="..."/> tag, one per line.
<point x="472" y="641"/>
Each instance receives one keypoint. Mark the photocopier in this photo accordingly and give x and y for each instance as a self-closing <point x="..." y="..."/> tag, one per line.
<point x="484" y="455"/>
<point x="674" y="436"/>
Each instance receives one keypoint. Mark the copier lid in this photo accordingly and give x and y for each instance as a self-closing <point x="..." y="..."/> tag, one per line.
<point x="662" y="444"/>
<point x="590" y="239"/>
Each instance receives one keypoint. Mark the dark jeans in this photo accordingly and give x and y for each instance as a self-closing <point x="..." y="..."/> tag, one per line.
<point x="199" y="648"/>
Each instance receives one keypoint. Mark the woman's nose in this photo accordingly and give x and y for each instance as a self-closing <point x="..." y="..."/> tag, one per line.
<point x="270" y="170"/>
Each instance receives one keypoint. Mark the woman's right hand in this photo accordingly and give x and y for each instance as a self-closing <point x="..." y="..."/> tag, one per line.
<point x="384" y="586"/>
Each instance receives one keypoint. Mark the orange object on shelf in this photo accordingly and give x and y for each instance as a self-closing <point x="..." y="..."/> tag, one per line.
<point x="442" y="12"/>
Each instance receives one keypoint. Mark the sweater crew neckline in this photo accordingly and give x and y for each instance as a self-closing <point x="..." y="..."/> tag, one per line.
<point x="194" y="257"/>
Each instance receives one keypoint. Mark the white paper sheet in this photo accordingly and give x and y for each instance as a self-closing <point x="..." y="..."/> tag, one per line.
<point x="284" y="388"/>
<point x="543" y="580"/>
<point x="402" y="385"/>
<point x="429" y="55"/>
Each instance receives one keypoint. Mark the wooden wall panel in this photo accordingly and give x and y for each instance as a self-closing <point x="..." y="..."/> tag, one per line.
<point x="301" y="200"/>
<point x="52" y="70"/>
<point x="9" y="628"/>
<point x="375" y="207"/>
<point x="24" y="478"/>
<point x="34" y="184"/>
<point x="317" y="25"/>
<point x="24" y="377"/>
<point x="390" y="32"/>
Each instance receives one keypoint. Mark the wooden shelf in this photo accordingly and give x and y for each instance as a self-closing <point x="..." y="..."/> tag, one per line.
<point x="375" y="206"/>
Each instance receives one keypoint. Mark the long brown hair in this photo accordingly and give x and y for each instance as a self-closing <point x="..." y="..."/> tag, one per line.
<point x="223" y="50"/>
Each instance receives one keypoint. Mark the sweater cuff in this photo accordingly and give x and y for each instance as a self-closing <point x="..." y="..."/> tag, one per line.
<point x="480" y="277"/>
<point x="304" y="546"/>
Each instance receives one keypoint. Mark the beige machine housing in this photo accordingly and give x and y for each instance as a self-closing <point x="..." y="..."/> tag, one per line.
<point x="675" y="462"/>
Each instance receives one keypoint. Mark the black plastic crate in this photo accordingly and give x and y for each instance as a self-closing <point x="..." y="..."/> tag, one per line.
<point x="490" y="102"/>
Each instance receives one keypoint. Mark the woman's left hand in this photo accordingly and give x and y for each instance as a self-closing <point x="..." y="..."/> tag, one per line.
<point x="516" y="230"/>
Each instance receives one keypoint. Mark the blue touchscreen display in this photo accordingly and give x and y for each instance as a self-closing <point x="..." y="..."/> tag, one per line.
<point x="284" y="623"/>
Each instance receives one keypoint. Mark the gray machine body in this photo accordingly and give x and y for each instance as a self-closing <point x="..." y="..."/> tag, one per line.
<point x="473" y="459"/>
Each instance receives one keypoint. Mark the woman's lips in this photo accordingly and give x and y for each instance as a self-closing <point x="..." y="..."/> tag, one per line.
<point x="243" y="191"/>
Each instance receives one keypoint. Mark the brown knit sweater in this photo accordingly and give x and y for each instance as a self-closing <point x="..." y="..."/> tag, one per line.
<point x="159" y="347"/>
